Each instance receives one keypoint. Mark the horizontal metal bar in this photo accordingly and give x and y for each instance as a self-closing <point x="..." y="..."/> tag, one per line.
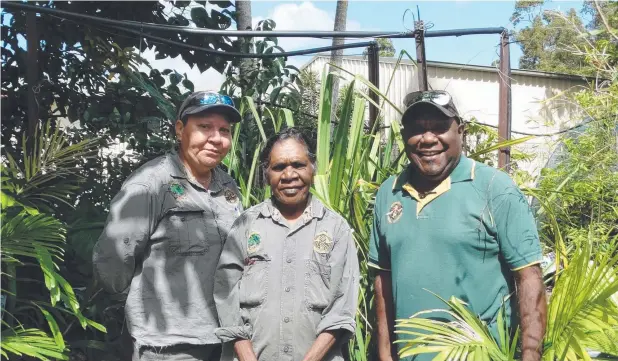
<point x="232" y="54"/>
<point x="251" y="33"/>
<point x="463" y="32"/>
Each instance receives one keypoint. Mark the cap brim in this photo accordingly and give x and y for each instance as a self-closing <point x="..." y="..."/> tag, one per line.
<point x="410" y="110"/>
<point x="232" y="114"/>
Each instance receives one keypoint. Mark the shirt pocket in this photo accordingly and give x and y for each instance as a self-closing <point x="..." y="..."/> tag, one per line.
<point x="253" y="287"/>
<point x="317" y="285"/>
<point x="187" y="233"/>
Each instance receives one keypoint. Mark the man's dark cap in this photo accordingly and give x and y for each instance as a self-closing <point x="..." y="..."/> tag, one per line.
<point x="438" y="99"/>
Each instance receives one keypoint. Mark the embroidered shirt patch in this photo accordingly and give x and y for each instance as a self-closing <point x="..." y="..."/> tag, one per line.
<point x="253" y="243"/>
<point x="177" y="189"/>
<point x="230" y="196"/>
<point x="395" y="212"/>
<point x="322" y="243"/>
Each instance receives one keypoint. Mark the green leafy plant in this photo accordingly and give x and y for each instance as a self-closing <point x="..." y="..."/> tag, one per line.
<point x="581" y="314"/>
<point x="32" y="187"/>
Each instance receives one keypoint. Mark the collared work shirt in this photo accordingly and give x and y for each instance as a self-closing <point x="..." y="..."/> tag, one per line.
<point x="162" y="240"/>
<point x="464" y="239"/>
<point x="281" y="285"/>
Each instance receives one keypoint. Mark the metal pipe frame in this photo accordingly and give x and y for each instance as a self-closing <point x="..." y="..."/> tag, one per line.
<point x="32" y="71"/>
<point x="504" y="112"/>
<point x="504" y="123"/>
<point x="421" y="60"/>
<point x="374" y="78"/>
<point x="252" y="33"/>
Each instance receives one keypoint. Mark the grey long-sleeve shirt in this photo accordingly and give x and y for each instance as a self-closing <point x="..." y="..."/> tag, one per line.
<point x="162" y="241"/>
<point x="280" y="286"/>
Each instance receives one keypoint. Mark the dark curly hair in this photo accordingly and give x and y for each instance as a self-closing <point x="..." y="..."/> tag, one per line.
<point x="287" y="133"/>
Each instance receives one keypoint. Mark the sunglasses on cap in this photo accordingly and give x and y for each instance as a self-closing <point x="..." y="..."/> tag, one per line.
<point x="204" y="100"/>
<point x="209" y="99"/>
<point x="438" y="97"/>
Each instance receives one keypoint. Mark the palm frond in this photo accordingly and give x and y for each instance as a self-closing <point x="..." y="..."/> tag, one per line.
<point x="22" y="234"/>
<point x="581" y="308"/>
<point x="467" y="337"/>
<point x="48" y="173"/>
<point x="32" y="342"/>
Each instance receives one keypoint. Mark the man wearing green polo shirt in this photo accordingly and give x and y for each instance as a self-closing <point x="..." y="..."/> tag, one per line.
<point x="455" y="227"/>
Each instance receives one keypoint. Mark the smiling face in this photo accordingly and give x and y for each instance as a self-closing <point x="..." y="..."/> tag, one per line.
<point x="205" y="140"/>
<point x="290" y="175"/>
<point x="433" y="144"/>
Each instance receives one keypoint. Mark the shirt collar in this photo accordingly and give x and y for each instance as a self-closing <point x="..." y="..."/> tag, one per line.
<point x="464" y="171"/>
<point x="314" y="209"/>
<point x="179" y="170"/>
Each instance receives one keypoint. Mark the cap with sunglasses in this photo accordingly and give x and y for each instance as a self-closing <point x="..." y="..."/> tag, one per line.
<point x="202" y="101"/>
<point x="439" y="99"/>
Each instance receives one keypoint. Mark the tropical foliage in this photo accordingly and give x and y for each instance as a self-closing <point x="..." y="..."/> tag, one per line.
<point x="54" y="195"/>
<point x="33" y="242"/>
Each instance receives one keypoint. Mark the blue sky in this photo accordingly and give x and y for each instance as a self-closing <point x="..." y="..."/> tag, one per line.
<point x="388" y="15"/>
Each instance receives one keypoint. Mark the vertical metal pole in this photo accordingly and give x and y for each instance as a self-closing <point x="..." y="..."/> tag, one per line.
<point x="419" y="38"/>
<point x="504" y="116"/>
<point x="374" y="78"/>
<point x="31" y="75"/>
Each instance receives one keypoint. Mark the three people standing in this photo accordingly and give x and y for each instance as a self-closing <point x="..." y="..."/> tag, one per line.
<point x="280" y="281"/>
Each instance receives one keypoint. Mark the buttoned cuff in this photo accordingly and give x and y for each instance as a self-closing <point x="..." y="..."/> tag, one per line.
<point x="229" y="334"/>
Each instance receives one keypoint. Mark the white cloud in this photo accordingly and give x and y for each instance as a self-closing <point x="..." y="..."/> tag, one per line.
<point x="303" y="16"/>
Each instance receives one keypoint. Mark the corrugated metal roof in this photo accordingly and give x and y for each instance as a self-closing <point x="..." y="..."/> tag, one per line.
<point x="440" y="64"/>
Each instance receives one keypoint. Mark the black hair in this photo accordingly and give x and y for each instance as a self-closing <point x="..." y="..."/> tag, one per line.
<point x="287" y="133"/>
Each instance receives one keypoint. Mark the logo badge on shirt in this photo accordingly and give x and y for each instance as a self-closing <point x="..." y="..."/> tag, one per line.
<point x="322" y="243"/>
<point x="177" y="189"/>
<point x="230" y="196"/>
<point x="253" y="243"/>
<point x="395" y="212"/>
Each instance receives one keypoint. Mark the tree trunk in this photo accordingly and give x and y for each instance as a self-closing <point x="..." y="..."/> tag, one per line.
<point x="341" y="15"/>
<point x="243" y="22"/>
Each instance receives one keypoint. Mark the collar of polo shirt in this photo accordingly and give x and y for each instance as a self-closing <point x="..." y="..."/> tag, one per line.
<point x="464" y="171"/>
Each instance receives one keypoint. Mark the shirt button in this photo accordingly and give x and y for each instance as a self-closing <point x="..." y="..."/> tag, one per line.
<point x="287" y="319"/>
<point x="287" y="289"/>
<point x="289" y="260"/>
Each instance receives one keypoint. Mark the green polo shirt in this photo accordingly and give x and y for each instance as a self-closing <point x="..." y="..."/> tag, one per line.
<point x="464" y="239"/>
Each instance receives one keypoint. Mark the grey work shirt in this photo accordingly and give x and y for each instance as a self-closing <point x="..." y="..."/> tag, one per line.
<point x="281" y="285"/>
<point x="162" y="241"/>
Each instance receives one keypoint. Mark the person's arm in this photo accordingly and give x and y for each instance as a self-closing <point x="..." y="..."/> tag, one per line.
<point x="521" y="250"/>
<point x="532" y="311"/>
<point x="339" y="317"/>
<point x="321" y="345"/>
<point x="385" y="316"/>
<point x="132" y="218"/>
<point x="244" y="350"/>
<point x="226" y="292"/>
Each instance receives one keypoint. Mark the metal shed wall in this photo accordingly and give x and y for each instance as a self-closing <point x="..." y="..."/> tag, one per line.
<point x="537" y="106"/>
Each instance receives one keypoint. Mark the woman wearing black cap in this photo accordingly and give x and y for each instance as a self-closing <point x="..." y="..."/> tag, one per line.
<point x="164" y="234"/>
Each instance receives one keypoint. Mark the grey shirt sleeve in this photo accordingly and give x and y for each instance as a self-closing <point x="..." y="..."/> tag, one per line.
<point x="341" y="311"/>
<point x="132" y="218"/>
<point x="226" y="290"/>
